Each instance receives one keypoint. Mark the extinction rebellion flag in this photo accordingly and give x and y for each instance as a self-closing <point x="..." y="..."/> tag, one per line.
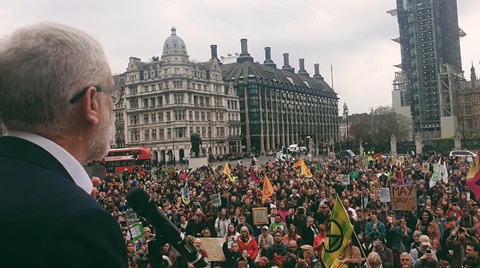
<point x="339" y="232"/>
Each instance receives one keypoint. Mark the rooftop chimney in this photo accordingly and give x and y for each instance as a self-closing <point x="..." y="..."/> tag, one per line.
<point x="244" y="56"/>
<point x="302" y="68"/>
<point x="268" y="58"/>
<point x="213" y="49"/>
<point x="317" y="74"/>
<point x="286" y="65"/>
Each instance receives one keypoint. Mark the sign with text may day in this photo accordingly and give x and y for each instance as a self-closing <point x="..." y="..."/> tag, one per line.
<point x="404" y="197"/>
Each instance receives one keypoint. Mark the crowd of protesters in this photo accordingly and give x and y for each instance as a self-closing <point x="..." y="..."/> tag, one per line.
<point x="442" y="232"/>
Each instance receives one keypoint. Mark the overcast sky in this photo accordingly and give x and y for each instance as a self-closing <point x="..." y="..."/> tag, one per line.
<point x="354" y="36"/>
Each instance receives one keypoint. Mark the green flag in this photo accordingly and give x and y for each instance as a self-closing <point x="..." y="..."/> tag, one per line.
<point x="319" y="167"/>
<point x="339" y="232"/>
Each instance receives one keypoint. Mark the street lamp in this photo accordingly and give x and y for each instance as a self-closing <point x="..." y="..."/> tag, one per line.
<point x="462" y="109"/>
<point x="210" y="136"/>
<point x="173" y="150"/>
<point x="345" y="116"/>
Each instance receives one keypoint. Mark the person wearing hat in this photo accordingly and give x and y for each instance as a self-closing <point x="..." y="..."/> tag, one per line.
<point x="264" y="240"/>
<point x="247" y="242"/>
<point x="423" y="253"/>
<point x="308" y="260"/>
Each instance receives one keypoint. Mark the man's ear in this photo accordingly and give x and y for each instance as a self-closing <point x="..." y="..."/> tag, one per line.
<point x="91" y="106"/>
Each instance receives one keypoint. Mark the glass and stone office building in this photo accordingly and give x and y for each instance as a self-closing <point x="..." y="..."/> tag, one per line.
<point x="279" y="107"/>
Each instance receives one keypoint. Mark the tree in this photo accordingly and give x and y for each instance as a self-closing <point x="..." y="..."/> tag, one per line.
<point x="377" y="127"/>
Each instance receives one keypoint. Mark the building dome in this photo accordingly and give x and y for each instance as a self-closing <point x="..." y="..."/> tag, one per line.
<point x="174" y="43"/>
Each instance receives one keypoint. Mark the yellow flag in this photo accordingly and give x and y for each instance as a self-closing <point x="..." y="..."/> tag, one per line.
<point x="306" y="171"/>
<point x="339" y="232"/>
<point x="267" y="189"/>
<point x="226" y="171"/>
<point x="298" y="164"/>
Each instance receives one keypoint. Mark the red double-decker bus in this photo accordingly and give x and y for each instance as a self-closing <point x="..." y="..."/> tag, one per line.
<point x="120" y="160"/>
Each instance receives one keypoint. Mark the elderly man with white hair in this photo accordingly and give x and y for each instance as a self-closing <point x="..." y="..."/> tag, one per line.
<point x="56" y="101"/>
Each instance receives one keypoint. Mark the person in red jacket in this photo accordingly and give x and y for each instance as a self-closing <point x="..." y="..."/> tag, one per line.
<point x="247" y="242"/>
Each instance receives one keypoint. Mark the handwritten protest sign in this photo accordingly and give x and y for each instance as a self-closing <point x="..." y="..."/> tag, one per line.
<point x="384" y="195"/>
<point x="136" y="231"/>
<point x="404" y="197"/>
<point x="260" y="216"/>
<point x="213" y="246"/>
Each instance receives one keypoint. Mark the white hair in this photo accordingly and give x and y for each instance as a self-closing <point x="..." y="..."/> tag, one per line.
<point x="42" y="67"/>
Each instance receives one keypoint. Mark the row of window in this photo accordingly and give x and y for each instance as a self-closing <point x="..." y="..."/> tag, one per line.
<point x="180" y="99"/>
<point x="177" y="84"/>
<point x="181" y="132"/>
<point x="180" y="115"/>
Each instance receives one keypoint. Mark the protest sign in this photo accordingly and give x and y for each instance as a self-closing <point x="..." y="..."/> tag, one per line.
<point x="131" y="216"/>
<point x="136" y="231"/>
<point x="216" y="200"/>
<point x="260" y="215"/>
<point x="202" y="177"/>
<point x="425" y="167"/>
<point x="384" y="195"/>
<point x="213" y="246"/>
<point x="404" y="197"/>
<point x="346" y="179"/>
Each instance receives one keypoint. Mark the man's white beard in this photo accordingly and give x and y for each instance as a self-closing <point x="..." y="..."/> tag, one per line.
<point x="100" y="140"/>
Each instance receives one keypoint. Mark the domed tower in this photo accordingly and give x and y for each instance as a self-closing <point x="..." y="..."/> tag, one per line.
<point x="174" y="49"/>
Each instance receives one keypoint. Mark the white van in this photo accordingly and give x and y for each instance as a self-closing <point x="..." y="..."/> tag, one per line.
<point x="293" y="148"/>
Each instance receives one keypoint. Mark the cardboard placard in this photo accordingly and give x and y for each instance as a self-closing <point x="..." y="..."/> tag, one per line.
<point x="260" y="216"/>
<point x="316" y="174"/>
<point x="216" y="200"/>
<point x="384" y="195"/>
<point x="213" y="246"/>
<point x="404" y="197"/>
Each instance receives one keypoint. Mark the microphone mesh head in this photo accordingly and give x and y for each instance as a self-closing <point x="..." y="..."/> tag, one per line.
<point x="137" y="199"/>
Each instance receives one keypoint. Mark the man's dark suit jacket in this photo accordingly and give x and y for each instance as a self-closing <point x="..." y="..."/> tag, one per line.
<point x="46" y="220"/>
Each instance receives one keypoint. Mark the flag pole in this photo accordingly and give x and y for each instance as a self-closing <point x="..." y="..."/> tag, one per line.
<point x="356" y="236"/>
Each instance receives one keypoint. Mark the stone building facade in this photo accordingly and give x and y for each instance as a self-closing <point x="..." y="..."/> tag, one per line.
<point x="169" y="98"/>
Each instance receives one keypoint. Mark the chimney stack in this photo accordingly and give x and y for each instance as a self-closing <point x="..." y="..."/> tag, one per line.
<point x="268" y="58"/>
<point x="317" y="74"/>
<point x="302" y="68"/>
<point x="213" y="49"/>
<point x="244" y="56"/>
<point x="286" y="64"/>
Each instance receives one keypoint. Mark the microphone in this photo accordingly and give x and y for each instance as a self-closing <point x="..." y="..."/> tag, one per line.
<point x="143" y="204"/>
